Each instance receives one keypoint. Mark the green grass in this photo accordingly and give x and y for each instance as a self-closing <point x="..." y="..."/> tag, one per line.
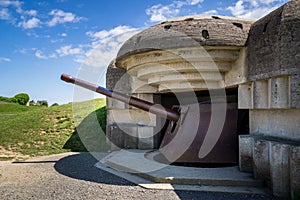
<point x="6" y="158"/>
<point x="13" y="108"/>
<point x="48" y="130"/>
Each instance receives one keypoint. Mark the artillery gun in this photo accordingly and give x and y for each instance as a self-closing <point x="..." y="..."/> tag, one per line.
<point x="196" y="133"/>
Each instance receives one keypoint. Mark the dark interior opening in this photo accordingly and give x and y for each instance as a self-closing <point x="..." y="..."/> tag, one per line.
<point x="170" y="99"/>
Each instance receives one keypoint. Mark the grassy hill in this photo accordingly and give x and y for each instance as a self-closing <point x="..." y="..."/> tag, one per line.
<point x="36" y="131"/>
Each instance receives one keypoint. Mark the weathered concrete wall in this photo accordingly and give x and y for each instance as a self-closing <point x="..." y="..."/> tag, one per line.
<point x="274" y="43"/>
<point x="113" y="76"/>
<point x="273" y="48"/>
<point x="295" y="172"/>
<point x="271" y="92"/>
<point x="283" y="123"/>
<point x="238" y="72"/>
<point x="128" y="127"/>
<point x="261" y="159"/>
<point x="246" y="153"/>
<point x="273" y="160"/>
<point x="280" y="169"/>
<point x="115" y="135"/>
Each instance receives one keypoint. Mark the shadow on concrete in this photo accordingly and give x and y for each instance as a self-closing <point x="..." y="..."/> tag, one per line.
<point x="81" y="166"/>
<point x="220" y="196"/>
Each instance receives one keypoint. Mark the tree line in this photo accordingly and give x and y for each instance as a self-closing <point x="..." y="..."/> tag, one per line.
<point x="23" y="99"/>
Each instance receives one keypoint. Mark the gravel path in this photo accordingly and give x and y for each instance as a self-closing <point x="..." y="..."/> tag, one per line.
<point x="73" y="176"/>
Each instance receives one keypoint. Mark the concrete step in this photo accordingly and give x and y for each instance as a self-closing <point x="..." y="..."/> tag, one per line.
<point x="135" y="162"/>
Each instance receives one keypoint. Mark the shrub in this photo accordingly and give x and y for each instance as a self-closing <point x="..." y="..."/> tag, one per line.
<point x="21" y="98"/>
<point x="12" y="100"/>
<point x="32" y="103"/>
<point x="42" y="103"/>
<point x="3" y="98"/>
<point x="55" y="104"/>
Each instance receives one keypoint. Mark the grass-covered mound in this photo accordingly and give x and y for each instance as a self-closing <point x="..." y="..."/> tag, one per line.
<point x="48" y="130"/>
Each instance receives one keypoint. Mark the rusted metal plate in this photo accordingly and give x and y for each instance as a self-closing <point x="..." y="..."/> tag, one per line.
<point x="193" y="132"/>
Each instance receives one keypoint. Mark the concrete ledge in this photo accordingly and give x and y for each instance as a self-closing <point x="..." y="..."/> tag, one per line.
<point x="295" y="172"/>
<point x="279" y="169"/>
<point x="276" y="161"/>
<point x="261" y="163"/>
<point x="142" y="182"/>
<point x="245" y="153"/>
<point x="134" y="164"/>
<point x="272" y="93"/>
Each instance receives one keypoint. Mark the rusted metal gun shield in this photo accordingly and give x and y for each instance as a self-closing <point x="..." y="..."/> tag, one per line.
<point x="225" y="149"/>
<point x="177" y="140"/>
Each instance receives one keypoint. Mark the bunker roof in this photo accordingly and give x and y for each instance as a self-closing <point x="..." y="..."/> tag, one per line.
<point x="190" y="31"/>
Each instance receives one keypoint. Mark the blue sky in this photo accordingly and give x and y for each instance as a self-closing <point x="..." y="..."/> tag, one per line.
<point x="40" y="40"/>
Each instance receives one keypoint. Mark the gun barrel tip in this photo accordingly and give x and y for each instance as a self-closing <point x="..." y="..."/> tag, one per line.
<point x="67" y="78"/>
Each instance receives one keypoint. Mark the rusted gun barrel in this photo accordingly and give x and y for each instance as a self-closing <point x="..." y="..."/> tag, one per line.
<point x="133" y="101"/>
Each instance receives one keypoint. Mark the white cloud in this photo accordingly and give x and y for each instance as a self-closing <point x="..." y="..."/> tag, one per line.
<point x="3" y="59"/>
<point x="103" y="34"/>
<point x="63" y="35"/>
<point x="254" y="9"/>
<point x="238" y="9"/>
<point x="40" y="55"/>
<point x="4" y="14"/>
<point x="60" y="17"/>
<point x="20" y="16"/>
<point x="257" y="13"/>
<point x="161" y="12"/>
<point x="31" y="23"/>
<point x="211" y="12"/>
<point x="254" y="3"/>
<point x="21" y="51"/>
<point x="53" y="55"/>
<point x="195" y="2"/>
<point x="26" y="12"/>
<point x="69" y="50"/>
<point x="30" y="12"/>
<point x="267" y="1"/>
<point x="7" y="3"/>
<point x="18" y="7"/>
<point x="106" y="44"/>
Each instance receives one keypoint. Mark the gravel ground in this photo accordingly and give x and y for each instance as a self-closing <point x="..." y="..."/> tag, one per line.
<point x="73" y="176"/>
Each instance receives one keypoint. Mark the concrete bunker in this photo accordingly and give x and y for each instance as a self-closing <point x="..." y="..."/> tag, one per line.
<point x="267" y="81"/>
<point x="182" y="61"/>
<point x="260" y="59"/>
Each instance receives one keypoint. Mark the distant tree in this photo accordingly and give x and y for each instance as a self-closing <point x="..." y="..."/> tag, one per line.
<point x="12" y="100"/>
<point x="3" y="98"/>
<point x="55" y="104"/>
<point x="42" y="103"/>
<point x="21" y="98"/>
<point x="32" y="103"/>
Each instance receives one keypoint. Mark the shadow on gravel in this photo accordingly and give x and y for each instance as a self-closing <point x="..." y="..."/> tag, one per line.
<point x="34" y="162"/>
<point x="81" y="166"/>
